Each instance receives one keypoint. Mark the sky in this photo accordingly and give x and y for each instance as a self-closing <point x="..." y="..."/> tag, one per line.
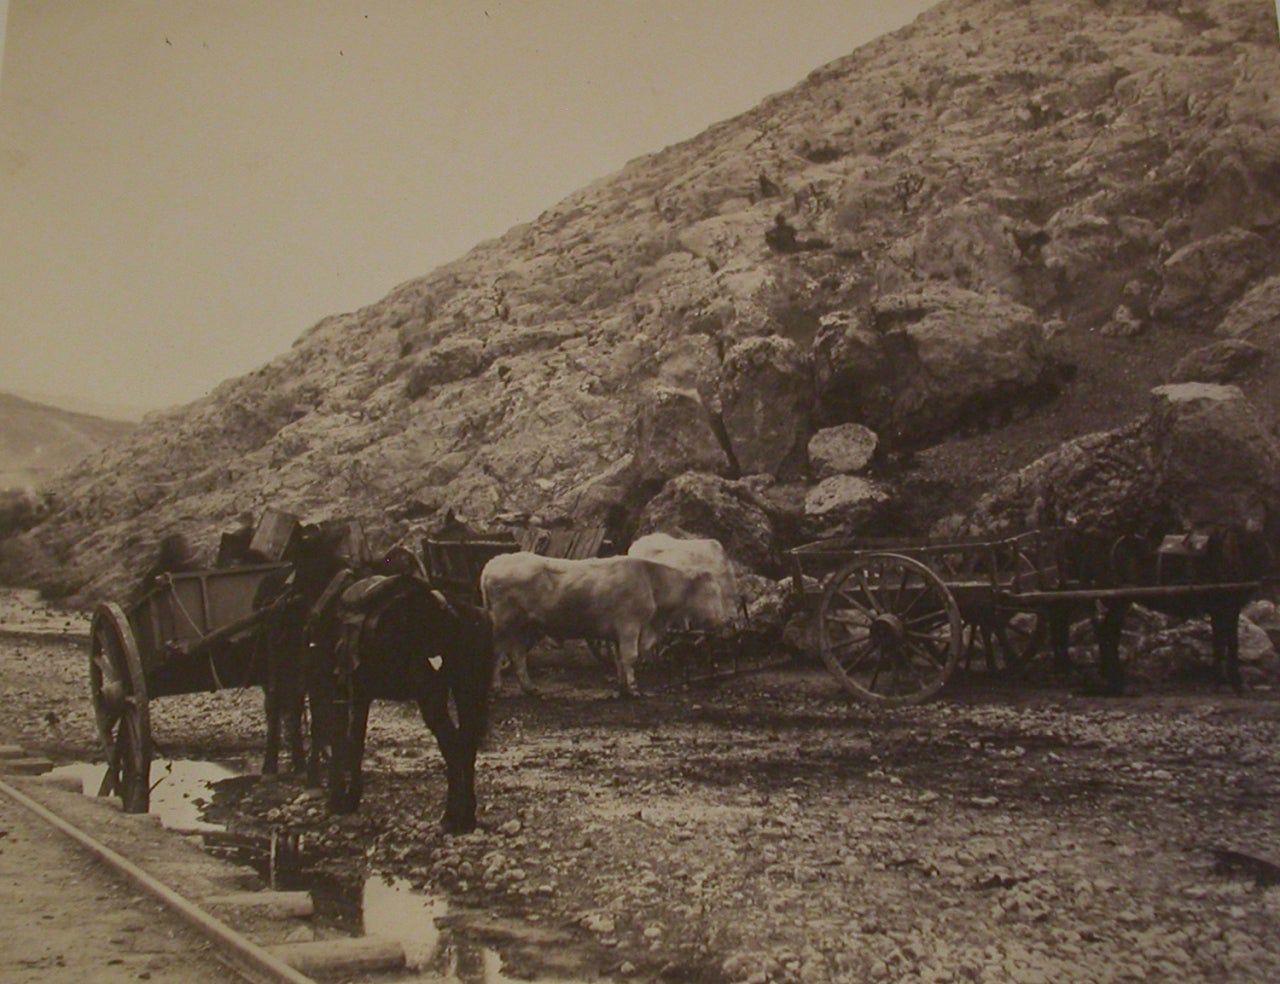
<point x="187" y="186"/>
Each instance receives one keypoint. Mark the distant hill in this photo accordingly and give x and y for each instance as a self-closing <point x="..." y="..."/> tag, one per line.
<point x="36" y="440"/>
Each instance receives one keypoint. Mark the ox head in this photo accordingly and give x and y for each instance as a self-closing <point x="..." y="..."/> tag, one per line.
<point x="705" y="604"/>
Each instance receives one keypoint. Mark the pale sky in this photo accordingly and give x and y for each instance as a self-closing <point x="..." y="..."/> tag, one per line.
<point x="186" y="186"/>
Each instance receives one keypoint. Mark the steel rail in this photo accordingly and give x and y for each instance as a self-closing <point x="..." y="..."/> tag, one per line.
<point x="251" y="960"/>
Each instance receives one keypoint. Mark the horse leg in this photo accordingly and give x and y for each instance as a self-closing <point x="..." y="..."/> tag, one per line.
<point x="320" y="700"/>
<point x="458" y="746"/>
<point x="293" y="729"/>
<point x="1225" y="621"/>
<point x="351" y="720"/>
<point x="360" y="726"/>
<point x="1060" y="640"/>
<point x="292" y="701"/>
<point x="520" y="660"/>
<point x="1108" y="630"/>
<point x="271" y="707"/>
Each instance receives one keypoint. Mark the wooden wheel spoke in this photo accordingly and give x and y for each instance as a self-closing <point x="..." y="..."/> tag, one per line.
<point x="853" y="612"/>
<point x="931" y="647"/>
<point x="928" y="622"/>
<point x="890" y="629"/>
<point x="872" y="599"/>
<point x="856" y="659"/>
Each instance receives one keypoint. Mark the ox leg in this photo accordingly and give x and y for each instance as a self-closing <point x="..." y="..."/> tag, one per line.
<point x="627" y="655"/>
<point x="517" y="654"/>
<point x="520" y="660"/>
<point x="458" y="746"/>
<point x="1225" y="621"/>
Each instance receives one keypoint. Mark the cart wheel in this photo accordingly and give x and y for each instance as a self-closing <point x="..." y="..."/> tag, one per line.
<point x="118" y="691"/>
<point x="1006" y="642"/>
<point x="890" y="629"/>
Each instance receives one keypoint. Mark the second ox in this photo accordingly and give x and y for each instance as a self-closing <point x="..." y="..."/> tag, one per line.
<point x="626" y="600"/>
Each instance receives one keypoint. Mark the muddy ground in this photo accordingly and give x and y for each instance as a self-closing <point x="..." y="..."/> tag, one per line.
<point x="765" y="829"/>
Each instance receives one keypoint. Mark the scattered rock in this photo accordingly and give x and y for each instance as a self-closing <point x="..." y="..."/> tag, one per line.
<point x="845" y="449"/>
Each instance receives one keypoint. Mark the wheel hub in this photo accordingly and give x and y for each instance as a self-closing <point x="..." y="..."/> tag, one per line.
<point x="888" y="632"/>
<point x="113" y="695"/>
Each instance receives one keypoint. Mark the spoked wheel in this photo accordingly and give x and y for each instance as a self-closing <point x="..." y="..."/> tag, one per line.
<point x="1005" y="641"/>
<point x="890" y="629"/>
<point x="118" y="691"/>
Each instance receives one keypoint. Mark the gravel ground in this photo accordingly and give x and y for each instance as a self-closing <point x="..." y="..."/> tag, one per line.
<point x="763" y="829"/>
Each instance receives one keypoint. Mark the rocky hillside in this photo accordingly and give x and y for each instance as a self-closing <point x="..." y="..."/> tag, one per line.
<point x="36" y="441"/>
<point x="855" y="306"/>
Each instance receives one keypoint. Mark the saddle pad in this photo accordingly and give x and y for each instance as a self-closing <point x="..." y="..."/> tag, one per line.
<point x="366" y="593"/>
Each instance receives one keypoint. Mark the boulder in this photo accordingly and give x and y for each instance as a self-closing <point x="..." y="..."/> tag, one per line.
<point x="1216" y="460"/>
<point x="1255" y="317"/>
<point x="970" y="244"/>
<point x="1208" y="274"/>
<point x="1266" y="616"/>
<point x="705" y="505"/>
<point x="841" y="450"/>
<point x="915" y="366"/>
<point x="1091" y="257"/>
<point x="674" y="434"/>
<point x="1218" y="362"/>
<point x="765" y="398"/>
<point x="843" y="505"/>
<point x="1201" y="456"/>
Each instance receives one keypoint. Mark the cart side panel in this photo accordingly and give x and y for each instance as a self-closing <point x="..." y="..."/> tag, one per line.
<point x="454" y="566"/>
<point x="176" y="615"/>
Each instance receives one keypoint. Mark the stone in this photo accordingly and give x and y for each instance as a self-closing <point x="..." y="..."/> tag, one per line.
<point x="1255" y="317"/>
<point x="918" y="364"/>
<point x="674" y="434"/>
<point x="765" y="398"/>
<point x="701" y="505"/>
<point x="843" y="504"/>
<point x="1207" y="274"/>
<point x="1218" y="462"/>
<point x="845" y="449"/>
<point x="445" y="363"/>
<point x="1202" y="456"/>
<point x="1218" y="362"/>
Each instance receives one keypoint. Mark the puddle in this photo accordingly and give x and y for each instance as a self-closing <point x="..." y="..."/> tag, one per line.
<point x="391" y="907"/>
<point x="179" y="789"/>
<point x="382" y="905"/>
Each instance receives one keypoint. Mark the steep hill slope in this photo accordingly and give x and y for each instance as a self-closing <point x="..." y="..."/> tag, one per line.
<point x="1096" y="183"/>
<point x="37" y="441"/>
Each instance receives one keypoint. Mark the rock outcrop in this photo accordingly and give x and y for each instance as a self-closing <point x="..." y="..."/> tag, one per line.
<point x="951" y="195"/>
<point x="1202" y="457"/>
<point x="918" y="365"/>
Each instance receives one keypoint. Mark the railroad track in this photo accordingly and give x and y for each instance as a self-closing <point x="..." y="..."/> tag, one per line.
<point x="253" y="931"/>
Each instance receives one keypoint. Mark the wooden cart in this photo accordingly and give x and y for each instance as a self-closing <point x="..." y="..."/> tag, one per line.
<point x="895" y="617"/>
<point x="191" y="632"/>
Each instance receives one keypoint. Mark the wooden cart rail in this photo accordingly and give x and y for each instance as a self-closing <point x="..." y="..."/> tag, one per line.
<point x="1025" y="562"/>
<point x="454" y="565"/>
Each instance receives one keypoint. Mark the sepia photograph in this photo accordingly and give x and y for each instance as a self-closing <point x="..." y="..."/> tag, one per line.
<point x="656" y="491"/>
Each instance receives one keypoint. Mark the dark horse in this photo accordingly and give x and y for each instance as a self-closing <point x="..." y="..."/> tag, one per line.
<point x="317" y="554"/>
<point x="1214" y="573"/>
<point x="394" y="638"/>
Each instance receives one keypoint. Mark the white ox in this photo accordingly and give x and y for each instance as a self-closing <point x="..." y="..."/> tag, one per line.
<point x="626" y="600"/>
<point x="694" y="556"/>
